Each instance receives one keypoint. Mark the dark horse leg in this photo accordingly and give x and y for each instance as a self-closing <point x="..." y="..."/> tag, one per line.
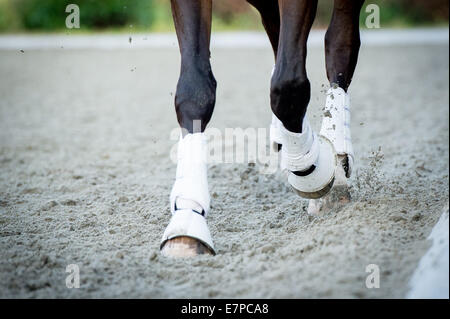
<point x="270" y="16"/>
<point x="196" y="90"/>
<point x="187" y="233"/>
<point x="310" y="159"/>
<point x="342" y="43"/>
<point x="290" y="87"/>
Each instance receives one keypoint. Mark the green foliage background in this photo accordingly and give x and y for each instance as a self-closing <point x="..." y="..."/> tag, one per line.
<point x="154" y="15"/>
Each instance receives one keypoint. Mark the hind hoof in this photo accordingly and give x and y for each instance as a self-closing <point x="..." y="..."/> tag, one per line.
<point x="181" y="247"/>
<point x="337" y="197"/>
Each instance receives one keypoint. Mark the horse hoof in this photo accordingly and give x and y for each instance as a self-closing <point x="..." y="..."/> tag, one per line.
<point x="318" y="183"/>
<point x="337" y="197"/>
<point x="187" y="235"/>
<point x="183" y="246"/>
<point x="318" y="194"/>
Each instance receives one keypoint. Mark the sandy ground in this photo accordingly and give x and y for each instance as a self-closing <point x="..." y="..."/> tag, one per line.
<point x="85" y="177"/>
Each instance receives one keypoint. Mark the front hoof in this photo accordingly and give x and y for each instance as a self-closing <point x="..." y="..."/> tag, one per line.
<point x="315" y="195"/>
<point x="319" y="182"/>
<point x="181" y="247"/>
<point x="187" y="235"/>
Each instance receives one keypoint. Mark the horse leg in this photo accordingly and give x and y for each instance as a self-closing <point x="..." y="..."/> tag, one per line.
<point x="270" y="17"/>
<point x="342" y="44"/>
<point x="309" y="159"/>
<point x="290" y="87"/>
<point x="187" y="233"/>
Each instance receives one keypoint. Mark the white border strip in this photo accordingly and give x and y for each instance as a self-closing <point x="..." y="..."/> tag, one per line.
<point x="430" y="280"/>
<point x="378" y="37"/>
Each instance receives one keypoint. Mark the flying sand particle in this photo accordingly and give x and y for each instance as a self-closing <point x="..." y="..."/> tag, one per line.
<point x="327" y="114"/>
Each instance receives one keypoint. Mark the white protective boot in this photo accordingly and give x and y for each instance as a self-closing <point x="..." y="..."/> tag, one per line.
<point x="189" y="199"/>
<point x="336" y="127"/>
<point x="299" y="152"/>
<point x="309" y="159"/>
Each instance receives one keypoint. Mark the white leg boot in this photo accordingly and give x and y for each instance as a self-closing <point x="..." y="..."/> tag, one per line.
<point x="189" y="201"/>
<point x="310" y="160"/>
<point x="301" y="152"/>
<point x="336" y="127"/>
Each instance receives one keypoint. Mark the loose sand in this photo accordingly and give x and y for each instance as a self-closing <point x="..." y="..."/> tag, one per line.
<point x="85" y="178"/>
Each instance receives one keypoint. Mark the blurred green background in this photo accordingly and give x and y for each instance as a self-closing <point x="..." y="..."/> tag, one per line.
<point x="154" y="15"/>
